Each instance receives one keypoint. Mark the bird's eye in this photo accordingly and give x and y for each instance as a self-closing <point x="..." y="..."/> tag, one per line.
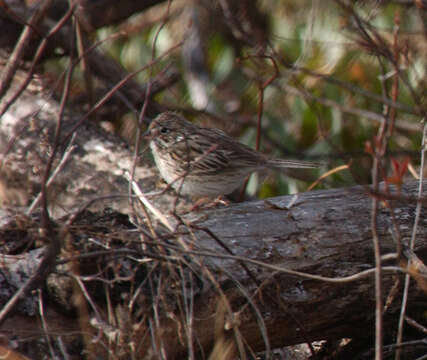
<point x="164" y="130"/>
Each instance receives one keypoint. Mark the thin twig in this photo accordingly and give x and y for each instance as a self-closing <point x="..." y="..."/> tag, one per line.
<point x="412" y="244"/>
<point x="337" y="280"/>
<point x="44" y="324"/>
<point x="47" y="263"/>
<point x="39" y="53"/>
<point x="55" y="173"/>
<point x="135" y="187"/>
<point x="121" y="83"/>
<point x="21" y="46"/>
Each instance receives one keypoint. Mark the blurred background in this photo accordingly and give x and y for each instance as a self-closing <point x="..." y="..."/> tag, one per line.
<point x="315" y="80"/>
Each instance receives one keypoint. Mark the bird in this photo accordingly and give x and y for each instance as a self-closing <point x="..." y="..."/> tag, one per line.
<point x="205" y="162"/>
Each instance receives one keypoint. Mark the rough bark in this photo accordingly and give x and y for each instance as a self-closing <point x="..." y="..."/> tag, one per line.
<point x="326" y="233"/>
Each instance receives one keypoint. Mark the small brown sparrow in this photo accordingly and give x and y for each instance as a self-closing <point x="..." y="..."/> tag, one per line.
<point x="204" y="162"/>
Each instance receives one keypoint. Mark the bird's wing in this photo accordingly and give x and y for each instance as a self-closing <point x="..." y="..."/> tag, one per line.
<point x="213" y="151"/>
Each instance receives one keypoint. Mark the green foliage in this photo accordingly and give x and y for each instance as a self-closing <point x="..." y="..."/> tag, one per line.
<point x="328" y="74"/>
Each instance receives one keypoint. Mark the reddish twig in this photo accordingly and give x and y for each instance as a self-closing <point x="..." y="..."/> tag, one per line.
<point x="262" y="85"/>
<point x="15" y="58"/>
<point x="39" y="53"/>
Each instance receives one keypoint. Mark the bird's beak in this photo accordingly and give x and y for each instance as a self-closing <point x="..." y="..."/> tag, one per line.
<point x="147" y="134"/>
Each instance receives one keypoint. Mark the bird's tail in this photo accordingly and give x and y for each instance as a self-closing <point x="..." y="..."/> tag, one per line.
<point x="296" y="164"/>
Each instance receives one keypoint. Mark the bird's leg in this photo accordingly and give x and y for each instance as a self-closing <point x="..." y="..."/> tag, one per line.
<point x="207" y="203"/>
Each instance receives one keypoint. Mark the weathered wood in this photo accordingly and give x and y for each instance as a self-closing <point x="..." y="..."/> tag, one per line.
<point x="325" y="233"/>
